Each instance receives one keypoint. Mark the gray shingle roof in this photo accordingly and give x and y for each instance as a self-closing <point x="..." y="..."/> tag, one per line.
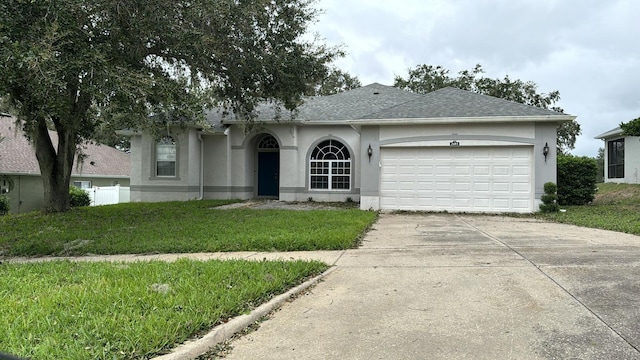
<point x="17" y="156"/>
<point x="455" y="103"/>
<point x="380" y="102"/>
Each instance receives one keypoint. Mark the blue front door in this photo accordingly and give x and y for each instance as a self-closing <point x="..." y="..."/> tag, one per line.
<point x="268" y="173"/>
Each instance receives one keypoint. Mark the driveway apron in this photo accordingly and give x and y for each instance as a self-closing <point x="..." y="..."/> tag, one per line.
<point x="438" y="286"/>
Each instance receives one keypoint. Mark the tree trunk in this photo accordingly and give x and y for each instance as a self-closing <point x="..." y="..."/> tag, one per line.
<point x="55" y="166"/>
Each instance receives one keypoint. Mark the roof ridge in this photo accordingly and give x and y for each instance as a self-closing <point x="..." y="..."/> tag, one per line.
<point x="493" y="98"/>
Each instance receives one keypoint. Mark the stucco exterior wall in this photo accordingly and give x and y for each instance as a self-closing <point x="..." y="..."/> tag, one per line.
<point x="296" y="143"/>
<point x="398" y="134"/>
<point x="230" y="160"/>
<point x="147" y="187"/>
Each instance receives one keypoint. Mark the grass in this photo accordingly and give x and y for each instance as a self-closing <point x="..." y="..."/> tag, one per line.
<point x="71" y="310"/>
<point x="616" y="207"/>
<point x="179" y="227"/>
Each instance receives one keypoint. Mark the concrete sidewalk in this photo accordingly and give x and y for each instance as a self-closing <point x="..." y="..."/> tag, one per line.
<point x="329" y="257"/>
<point x="465" y="287"/>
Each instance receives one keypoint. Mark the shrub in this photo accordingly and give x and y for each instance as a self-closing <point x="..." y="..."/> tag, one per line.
<point x="549" y="199"/>
<point x="78" y="197"/>
<point x="576" y="180"/>
<point x="4" y="205"/>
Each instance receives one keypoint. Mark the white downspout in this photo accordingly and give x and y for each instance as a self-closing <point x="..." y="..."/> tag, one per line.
<point x="201" y="180"/>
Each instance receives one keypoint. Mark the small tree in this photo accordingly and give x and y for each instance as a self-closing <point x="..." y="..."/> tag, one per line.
<point x="550" y="198"/>
<point x="576" y="180"/>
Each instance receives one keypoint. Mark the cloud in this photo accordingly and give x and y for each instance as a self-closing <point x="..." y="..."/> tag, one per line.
<point x="586" y="49"/>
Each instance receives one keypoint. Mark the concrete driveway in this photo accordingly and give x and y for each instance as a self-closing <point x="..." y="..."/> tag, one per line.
<point x="427" y="286"/>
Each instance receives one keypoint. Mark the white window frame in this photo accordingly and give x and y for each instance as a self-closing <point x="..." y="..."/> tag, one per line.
<point x="329" y="164"/>
<point x="169" y="154"/>
<point x="82" y="184"/>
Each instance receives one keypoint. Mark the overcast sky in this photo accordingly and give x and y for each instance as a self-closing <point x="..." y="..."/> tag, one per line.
<point x="588" y="50"/>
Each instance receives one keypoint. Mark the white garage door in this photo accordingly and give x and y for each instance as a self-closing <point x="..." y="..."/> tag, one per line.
<point x="465" y="179"/>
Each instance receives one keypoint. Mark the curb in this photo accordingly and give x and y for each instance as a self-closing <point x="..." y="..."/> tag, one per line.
<point x="192" y="349"/>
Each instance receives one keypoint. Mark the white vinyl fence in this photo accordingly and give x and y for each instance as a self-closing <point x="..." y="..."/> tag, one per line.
<point x="105" y="195"/>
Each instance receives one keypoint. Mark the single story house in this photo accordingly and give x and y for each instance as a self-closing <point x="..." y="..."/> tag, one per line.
<point x="389" y="149"/>
<point x="101" y="166"/>
<point x="621" y="157"/>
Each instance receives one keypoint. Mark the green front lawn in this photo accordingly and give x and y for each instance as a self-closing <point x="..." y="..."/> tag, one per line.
<point x="616" y="207"/>
<point x="69" y="310"/>
<point x="179" y="227"/>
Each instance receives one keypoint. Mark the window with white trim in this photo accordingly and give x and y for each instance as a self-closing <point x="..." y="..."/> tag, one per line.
<point x="82" y="184"/>
<point x="330" y="166"/>
<point x="166" y="157"/>
<point x="616" y="159"/>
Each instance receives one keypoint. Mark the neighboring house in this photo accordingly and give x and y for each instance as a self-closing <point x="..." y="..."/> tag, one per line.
<point x="101" y="166"/>
<point x="387" y="148"/>
<point x="621" y="157"/>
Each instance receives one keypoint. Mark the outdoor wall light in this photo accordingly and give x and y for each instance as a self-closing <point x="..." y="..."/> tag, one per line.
<point x="370" y="152"/>
<point x="545" y="151"/>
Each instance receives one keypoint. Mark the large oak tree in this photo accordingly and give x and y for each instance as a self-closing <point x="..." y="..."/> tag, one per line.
<point x="427" y="78"/>
<point x="82" y="66"/>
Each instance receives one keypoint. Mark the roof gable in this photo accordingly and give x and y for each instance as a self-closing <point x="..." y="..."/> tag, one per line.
<point x="17" y="156"/>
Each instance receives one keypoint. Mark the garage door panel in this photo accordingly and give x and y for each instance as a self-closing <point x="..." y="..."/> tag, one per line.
<point x="457" y="179"/>
<point x="462" y="187"/>
<point x="500" y="187"/>
<point x="481" y="170"/>
<point x="481" y="187"/>
<point x="501" y="204"/>
<point x="521" y="170"/>
<point x="462" y="170"/>
<point x="521" y="187"/>
<point x="444" y="186"/>
<point x="522" y="204"/>
<point x="444" y="170"/>
<point x="501" y="170"/>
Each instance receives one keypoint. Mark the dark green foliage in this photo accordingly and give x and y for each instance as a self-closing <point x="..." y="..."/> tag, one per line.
<point x="4" y="205"/>
<point x="631" y="128"/>
<point x="576" y="180"/>
<point x="336" y="81"/>
<point x="86" y="68"/>
<point x="550" y="198"/>
<point x="78" y="197"/>
<point x="550" y="188"/>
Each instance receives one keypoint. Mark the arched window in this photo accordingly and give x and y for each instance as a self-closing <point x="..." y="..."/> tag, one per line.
<point x="330" y="166"/>
<point x="166" y="157"/>
<point x="268" y="142"/>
